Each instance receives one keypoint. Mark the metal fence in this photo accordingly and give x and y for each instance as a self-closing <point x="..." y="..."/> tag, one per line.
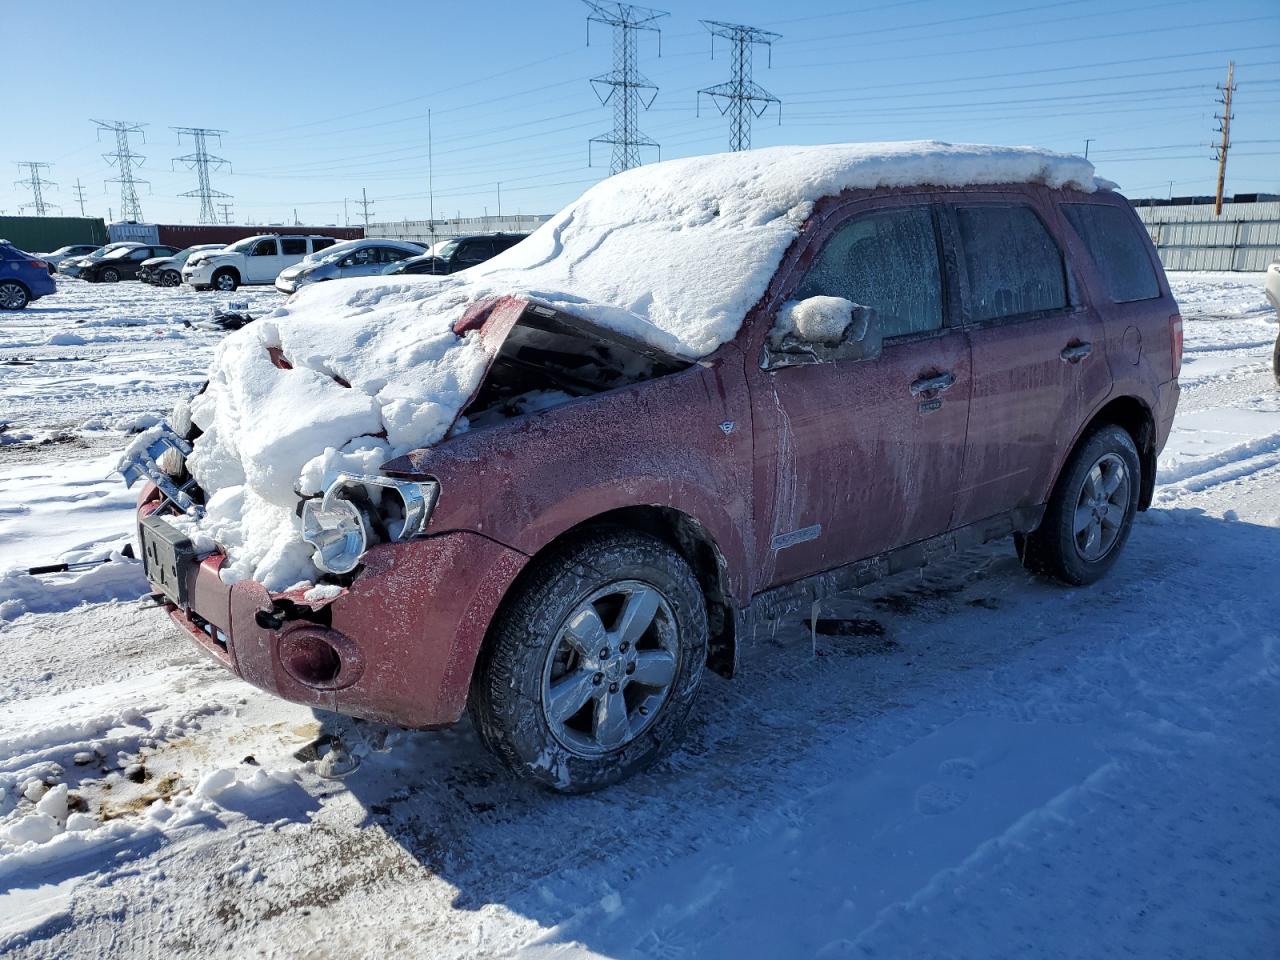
<point x="426" y="231"/>
<point x="1189" y="237"/>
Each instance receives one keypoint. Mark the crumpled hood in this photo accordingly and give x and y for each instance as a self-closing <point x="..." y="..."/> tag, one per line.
<point x="672" y="254"/>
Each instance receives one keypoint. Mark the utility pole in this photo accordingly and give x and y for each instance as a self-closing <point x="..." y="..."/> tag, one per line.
<point x="431" y="192"/>
<point x="80" y="196"/>
<point x="627" y="85"/>
<point x="346" y="216"/>
<point x="365" y="204"/>
<point x="226" y="213"/>
<point x="499" y="199"/>
<point x="200" y="160"/>
<point x="1224" y="126"/>
<point x="1088" y="140"/>
<point x="741" y="98"/>
<point x="37" y="184"/>
<point x="124" y="160"/>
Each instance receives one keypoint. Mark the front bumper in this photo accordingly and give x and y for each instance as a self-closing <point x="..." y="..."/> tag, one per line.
<point x="200" y="276"/>
<point x="407" y="629"/>
<point x="286" y="285"/>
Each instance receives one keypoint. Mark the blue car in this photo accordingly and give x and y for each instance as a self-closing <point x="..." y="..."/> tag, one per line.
<point x="23" y="278"/>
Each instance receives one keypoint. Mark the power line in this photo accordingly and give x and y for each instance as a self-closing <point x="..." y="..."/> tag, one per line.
<point x="627" y="84"/>
<point x="1224" y="127"/>
<point x="741" y="97"/>
<point x="37" y="184"/>
<point x="200" y="160"/>
<point x="124" y="160"/>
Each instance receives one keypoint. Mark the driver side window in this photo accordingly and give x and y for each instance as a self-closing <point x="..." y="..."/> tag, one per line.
<point x="264" y="248"/>
<point x="887" y="260"/>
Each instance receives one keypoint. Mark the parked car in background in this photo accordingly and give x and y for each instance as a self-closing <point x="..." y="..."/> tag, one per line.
<point x="252" y="260"/>
<point x="23" y="277"/>
<point x="73" y="265"/>
<point x="450" y="256"/>
<point x="122" y="264"/>
<point x="630" y="464"/>
<point x="353" y="258"/>
<point x="166" y="271"/>
<point x="69" y="252"/>
<point x="1273" y="294"/>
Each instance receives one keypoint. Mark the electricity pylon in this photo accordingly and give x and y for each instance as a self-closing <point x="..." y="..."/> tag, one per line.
<point x="741" y="97"/>
<point x="124" y="160"/>
<point x="628" y="87"/>
<point x="200" y="160"/>
<point x="37" y="184"/>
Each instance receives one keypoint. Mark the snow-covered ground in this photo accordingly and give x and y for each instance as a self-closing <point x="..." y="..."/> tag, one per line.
<point x="999" y="768"/>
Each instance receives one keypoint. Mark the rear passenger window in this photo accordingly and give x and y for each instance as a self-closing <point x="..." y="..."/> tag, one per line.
<point x="1012" y="264"/>
<point x="293" y="248"/>
<point x="887" y="260"/>
<point x="1118" y="249"/>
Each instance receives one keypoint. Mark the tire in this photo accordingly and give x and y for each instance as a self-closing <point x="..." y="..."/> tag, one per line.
<point x="170" y="278"/>
<point x="225" y="281"/>
<point x="108" y="275"/>
<point x="13" y="295"/>
<point x="1090" y="512"/>
<point x="1275" y="361"/>
<point x="592" y="582"/>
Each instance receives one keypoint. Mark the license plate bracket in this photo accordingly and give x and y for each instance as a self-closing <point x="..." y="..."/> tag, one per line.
<point x="168" y="557"/>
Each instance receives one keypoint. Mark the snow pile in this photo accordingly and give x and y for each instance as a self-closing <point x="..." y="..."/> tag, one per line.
<point x="815" y="319"/>
<point x="674" y="254"/>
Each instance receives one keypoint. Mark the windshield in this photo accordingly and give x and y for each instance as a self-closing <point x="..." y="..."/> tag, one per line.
<point x="445" y="248"/>
<point x="117" y="253"/>
<point x="240" y="246"/>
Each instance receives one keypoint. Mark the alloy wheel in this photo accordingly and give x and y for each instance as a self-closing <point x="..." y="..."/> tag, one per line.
<point x="12" y="296"/>
<point x="611" y="668"/>
<point x="1101" y="507"/>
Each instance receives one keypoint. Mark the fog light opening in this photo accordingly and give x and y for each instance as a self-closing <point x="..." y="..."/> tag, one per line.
<point x="312" y="660"/>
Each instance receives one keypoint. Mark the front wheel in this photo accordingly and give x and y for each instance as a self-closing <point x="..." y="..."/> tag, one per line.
<point x="109" y="275"/>
<point x="1090" y="512"/>
<point x="170" y="278"/>
<point x="13" y="296"/>
<point x="594" y="664"/>
<point x="225" y="281"/>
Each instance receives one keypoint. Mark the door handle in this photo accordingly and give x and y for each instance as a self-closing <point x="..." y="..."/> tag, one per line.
<point x="934" y="384"/>
<point x="1076" y="352"/>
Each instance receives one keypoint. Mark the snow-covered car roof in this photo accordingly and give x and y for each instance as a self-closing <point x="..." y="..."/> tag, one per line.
<point x="673" y="255"/>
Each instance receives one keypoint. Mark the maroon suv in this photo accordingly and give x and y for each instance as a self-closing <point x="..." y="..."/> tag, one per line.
<point x="929" y="368"/>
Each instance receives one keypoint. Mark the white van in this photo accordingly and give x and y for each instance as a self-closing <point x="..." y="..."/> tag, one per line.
<point x="252" y="260"/>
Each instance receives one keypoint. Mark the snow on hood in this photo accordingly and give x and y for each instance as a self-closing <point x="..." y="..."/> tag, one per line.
<point x="673" y="254"/>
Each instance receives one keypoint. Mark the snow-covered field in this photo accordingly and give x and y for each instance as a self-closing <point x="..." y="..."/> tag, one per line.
<point x="1003" y="768"/>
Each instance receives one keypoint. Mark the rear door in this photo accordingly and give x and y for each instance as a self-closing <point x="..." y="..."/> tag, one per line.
<point x="856" y="457"/>
<point x="1039" y="364"/>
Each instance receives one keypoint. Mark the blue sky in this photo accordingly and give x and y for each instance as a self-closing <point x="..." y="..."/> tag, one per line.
<point x="323" y="99"/>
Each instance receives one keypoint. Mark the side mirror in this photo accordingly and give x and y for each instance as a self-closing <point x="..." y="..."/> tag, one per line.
<point x="822" y="330"/>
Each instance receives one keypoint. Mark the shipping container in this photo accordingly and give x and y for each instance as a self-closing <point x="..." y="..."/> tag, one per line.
<point x="188" y="234"/>
<point x="46" y="234"/>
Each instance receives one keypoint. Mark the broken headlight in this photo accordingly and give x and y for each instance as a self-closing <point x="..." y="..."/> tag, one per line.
<point x="358" y="511"/>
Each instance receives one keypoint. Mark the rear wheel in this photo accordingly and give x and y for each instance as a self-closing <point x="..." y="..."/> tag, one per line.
<point x="1090" y="513"/>
<point x="109" y="275"/>
<point x="592" y="669"/>
<point x="225" y="281"/>
<point x="13" y="295"/>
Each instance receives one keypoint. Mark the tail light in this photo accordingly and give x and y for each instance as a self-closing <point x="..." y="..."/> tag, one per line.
<point x="40" y="264"/>
<point x="1175" y="342"/>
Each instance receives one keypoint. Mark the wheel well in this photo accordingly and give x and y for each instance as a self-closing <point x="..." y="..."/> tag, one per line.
<point x="231" y="270"/>
<point x="18" y="283"/>
<point x="1133" y="416"/>
<point x="692" y="541"/>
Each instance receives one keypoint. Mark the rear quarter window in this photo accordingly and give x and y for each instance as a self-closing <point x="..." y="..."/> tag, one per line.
<point x="321" y="244"/>
<point x="1012" y="264"/>
<point x="293" y="248"/>
<point x="1119" y="251"/>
